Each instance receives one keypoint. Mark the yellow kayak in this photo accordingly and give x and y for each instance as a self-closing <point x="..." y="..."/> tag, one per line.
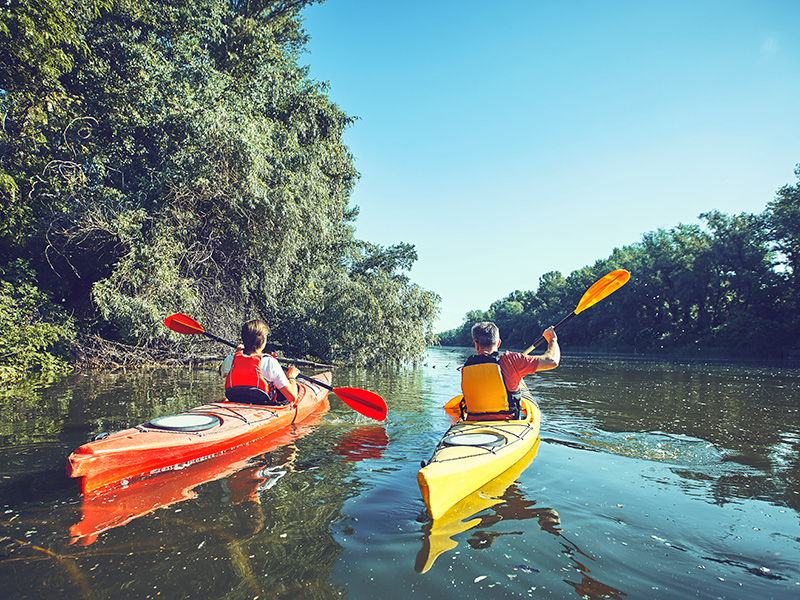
<point x="440" y="533"/>
<point x="473" y="453"/>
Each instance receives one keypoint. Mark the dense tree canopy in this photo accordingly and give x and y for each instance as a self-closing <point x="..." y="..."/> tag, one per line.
<point x="160" y="156"/>
<point x="726" y="286"/>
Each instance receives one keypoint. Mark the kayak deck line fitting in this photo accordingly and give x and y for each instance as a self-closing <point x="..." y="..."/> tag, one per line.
<point x="150" y="426"/>
<point x="498" y="442"/>
<point x="224" y="406"/>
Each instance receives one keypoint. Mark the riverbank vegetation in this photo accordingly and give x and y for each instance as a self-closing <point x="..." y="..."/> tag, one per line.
<point x="161" y="157"/>
<point x="728" y="286"/>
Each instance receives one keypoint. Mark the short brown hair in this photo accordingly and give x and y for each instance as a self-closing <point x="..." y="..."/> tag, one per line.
<point x="485" y="334"/>
<point x="254" y="335"/>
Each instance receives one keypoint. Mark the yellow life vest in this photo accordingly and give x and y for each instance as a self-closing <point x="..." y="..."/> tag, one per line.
<point x="485" y="393"/>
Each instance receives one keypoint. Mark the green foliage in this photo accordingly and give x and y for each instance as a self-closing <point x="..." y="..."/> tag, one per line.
<point x="33" y="332"/>
<point x="699" y="289"/>
<point x="366" y="314"/>
<point x="161" y="156"/>
<point x="783" y="220"/>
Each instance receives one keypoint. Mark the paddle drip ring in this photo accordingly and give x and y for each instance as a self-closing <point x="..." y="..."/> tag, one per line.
<point x="484" y="438"/>
<point x="186" y="422"/>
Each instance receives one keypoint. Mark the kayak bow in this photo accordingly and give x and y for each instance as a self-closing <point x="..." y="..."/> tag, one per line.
<point x="473" y="453"/>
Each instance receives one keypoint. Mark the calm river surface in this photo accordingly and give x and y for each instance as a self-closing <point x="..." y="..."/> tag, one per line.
<point x="652" y="480"/>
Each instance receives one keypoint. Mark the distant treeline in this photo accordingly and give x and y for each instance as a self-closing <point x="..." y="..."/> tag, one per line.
<point x="160" y="156"/>
<point x="729" y="286"/>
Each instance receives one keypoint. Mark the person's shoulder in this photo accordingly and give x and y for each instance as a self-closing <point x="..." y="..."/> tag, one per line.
<point x="516" y="357"/>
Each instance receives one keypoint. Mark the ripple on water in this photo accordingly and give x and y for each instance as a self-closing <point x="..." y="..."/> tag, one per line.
<point x="648" y="445"/>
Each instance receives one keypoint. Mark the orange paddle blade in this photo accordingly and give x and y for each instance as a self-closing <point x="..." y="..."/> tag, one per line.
<point x="453" y="406"/>
<point x="606" y="285"/>
<point x="181" y="323"/>
<point x="365" y="402"/>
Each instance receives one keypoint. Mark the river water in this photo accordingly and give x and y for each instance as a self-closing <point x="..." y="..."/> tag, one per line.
<point x="651" y="480"/>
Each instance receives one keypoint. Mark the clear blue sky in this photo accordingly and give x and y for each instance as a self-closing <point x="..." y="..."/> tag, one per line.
<point x="508" y="139"/>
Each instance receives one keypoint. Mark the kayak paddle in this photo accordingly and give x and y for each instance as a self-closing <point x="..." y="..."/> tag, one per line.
<point x="603" y="287"/>
<point x="365" y="402"/>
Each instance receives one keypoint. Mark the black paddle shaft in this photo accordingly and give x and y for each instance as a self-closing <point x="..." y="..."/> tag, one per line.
<point x="300" y="375"/>
<point x="556" y="327"/>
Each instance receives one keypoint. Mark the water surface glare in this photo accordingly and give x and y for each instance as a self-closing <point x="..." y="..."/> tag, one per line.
<point x="652" y="480"/>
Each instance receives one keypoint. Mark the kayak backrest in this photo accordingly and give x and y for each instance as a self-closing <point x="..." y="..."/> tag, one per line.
<point x="483" y="388"/>
<point x="252" y="395"/>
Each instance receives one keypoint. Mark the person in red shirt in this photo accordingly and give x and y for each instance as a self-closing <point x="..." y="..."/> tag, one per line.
<point x="494" y="392"/>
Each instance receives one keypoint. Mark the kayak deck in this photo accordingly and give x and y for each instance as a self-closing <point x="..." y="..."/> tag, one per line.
<point x="473" y="453"/>
<point x="217" y="427"/>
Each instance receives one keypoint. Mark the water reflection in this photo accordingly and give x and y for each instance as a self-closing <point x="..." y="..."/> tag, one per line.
<point x="252" y="522"/>
<point x="502" y="500"/>
<point x="259" y="531"/>
<point x="671" y="480"/>
<point x="361" y="443"/>
<point x="246" y="471"/>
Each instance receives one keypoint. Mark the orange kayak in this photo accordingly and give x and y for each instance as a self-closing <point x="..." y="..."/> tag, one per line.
<point x="177" y="440"/>
<point x="246" y="470"/>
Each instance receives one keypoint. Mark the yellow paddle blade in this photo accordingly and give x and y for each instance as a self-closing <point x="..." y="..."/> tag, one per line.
<point x="606" y="285"/>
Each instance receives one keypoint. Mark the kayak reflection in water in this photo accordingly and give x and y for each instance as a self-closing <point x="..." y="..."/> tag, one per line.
<point x="516" y="507"/>
<point x="549" y="521"/>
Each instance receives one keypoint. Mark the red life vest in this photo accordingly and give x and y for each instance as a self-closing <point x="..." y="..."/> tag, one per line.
<point x="246" y="371"/>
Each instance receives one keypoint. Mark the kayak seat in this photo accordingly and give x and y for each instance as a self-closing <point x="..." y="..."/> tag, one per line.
<point x="485" y="397"/>
<point x="245" y="394"/>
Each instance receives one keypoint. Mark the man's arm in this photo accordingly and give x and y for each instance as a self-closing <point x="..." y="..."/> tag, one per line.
<point x="552" y="356"/>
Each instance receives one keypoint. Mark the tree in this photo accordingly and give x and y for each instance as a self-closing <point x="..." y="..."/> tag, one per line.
<point x="783" y="219"/>
<point x="35" y="333"/>
<point x="39" y="42"/>
<point x="706" y="287"/>
<point x="189" y="163"/>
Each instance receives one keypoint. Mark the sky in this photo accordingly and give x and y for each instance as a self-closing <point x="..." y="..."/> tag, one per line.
<point x="507" y="140"/>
